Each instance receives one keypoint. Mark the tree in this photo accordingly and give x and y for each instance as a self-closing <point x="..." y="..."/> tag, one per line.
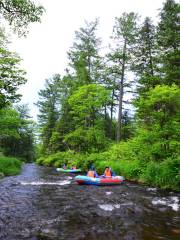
<point x="125" y="32"/>
<point x="87" y="140"/>
<point x="158" y="114"/>
<point x="65" y="122"/>
<point x="84" y="57"/>
<point x="146" y="58"/>
<point x="16" y="133"/>
<point x="9" y="121"/>
<point x="49" y="110"/>
<point x="87" y="102"/>
<point x="20" y="13"/>
<point x="11" y="77"/>
<point x="25" y="146"/>
<point x="168" y="41"/>
<point x="128" y="127"/>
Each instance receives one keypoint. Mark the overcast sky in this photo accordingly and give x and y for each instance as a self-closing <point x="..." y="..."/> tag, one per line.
<point x="44" y="49"/>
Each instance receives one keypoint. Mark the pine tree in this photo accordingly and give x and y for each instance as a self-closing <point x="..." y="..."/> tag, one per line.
<point x="49" y="110"/>
<point x="125" y="31"/>
<point x="84" y="57"/>
<point x="145" y="55"/>
<point x="168" y="37"/>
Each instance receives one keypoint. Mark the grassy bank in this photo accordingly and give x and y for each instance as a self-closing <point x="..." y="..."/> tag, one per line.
<point x="9" y="166"/>
<point x="130" y="159"/>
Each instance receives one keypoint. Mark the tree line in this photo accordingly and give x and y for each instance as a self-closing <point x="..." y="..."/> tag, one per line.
<point x="17" y="130"/>
<point x="87" y="109"/>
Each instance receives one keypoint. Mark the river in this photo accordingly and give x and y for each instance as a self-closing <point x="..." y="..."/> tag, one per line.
<point x="43" y="204"/>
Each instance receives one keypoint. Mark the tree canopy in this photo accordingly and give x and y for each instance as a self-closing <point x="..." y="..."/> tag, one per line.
<point x="20" y="13"/>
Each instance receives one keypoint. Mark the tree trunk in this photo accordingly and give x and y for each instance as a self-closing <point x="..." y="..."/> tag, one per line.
<point x="121" y="91"/>
<point x="111" y="116"/>
<point x="89" y="69"/>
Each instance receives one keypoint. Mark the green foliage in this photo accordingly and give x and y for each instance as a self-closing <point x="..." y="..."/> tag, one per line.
<point x="124" y="35"/>
<point x="87" y="101"/>
<point x="128" y="126"/>
<point x="169" y="25"/>
<point x="84" y="56"/>
<point x="86" y="140"/>
<point x="165" y="174"/>
<point x="9" y="122"/>
<point x="77" y="111"/>
<point x="16" y="133"/>
<point x="145" y="54"/>
<point x="160" y="113"/>
<point x="48" y="108"/>
<point x="168" y="42"/>
<point x="10" y="166"/>
<point x="11" y="76"/>
<point x="161" y="104"/>
<point x="20" y="13"/>
<point x="133" y="159"/>
<point x="58" y="159"/>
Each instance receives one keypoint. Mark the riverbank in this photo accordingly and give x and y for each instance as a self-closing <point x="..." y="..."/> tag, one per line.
<point x="123" y="161"/>
<point x="9" y="166"/>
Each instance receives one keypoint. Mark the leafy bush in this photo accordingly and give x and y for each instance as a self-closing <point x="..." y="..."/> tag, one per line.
<point x="134" y="159"/>
<point x="58" y="159"/>
<point x="166" y="174"/>
<point x="10" y="166"/>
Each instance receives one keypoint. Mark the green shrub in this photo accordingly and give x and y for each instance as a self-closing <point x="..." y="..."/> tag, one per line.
<point x="58" y="159"/>
<point x="165" y="175"/>
<point x="136" y="159"/>
<point x="10" y="166"/>
<point x="40" y="160"/>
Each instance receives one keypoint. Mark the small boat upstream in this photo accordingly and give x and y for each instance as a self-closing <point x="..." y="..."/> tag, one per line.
<point x="99" y="181"/>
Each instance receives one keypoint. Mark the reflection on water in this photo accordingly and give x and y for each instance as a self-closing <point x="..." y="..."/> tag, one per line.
<point x="43" y="204"/>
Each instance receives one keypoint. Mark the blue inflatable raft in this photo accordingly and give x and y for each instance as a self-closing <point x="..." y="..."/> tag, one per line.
<point x="80" y="179"/>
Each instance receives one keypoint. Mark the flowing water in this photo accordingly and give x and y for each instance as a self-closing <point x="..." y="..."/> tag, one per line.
<point x="43" y="204"/>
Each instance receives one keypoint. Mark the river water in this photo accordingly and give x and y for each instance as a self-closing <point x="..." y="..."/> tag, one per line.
<point x="43" y="204"/>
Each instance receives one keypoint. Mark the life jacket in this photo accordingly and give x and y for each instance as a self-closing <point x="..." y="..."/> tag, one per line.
<point x="90" y="173"/>
<point x="107" y="173"/>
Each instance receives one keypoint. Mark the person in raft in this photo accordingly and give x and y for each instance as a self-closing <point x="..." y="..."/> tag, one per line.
<point x="74" y="168"/>
<point x="92" y="173"/>
<point x="108" y="173"/>
<point x="64" y="166"/>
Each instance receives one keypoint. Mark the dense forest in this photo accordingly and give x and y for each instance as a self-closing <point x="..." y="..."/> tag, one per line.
<point x="117" y="107"/>
<point x="17" y="130"/>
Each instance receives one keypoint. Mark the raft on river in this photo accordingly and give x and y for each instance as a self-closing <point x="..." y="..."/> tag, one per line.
<point x="101" y="181"/>
<point x="68" y="170"/>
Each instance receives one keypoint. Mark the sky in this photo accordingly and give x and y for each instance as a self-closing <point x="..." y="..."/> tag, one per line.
<point x="44" y="50"/>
